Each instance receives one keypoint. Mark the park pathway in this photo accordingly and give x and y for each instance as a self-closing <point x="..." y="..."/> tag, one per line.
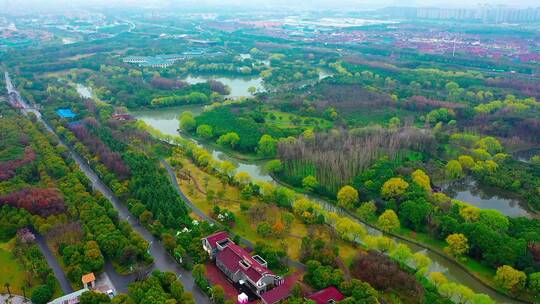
<point x="53" y="263"/>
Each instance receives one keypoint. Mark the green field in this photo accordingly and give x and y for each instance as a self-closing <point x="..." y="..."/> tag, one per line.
<point x="12" y="271"/>
<point x="287" y="120"/>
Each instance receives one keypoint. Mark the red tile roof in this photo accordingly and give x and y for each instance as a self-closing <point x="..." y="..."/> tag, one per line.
<point x="231" y="256"/>
<point x="327" y="294"/>
<point x="216" y="237"/>
<point x="276" y="294"/>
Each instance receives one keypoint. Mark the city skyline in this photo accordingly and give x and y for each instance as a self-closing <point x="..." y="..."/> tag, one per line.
<point x="62" y="5"/>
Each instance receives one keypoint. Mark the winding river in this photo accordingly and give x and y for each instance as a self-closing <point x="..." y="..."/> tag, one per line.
<point x="166" y="121"/>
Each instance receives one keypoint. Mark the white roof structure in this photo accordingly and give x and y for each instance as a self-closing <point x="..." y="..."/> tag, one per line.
<point x="243" y="298"/>
<point x="72" y="298"/>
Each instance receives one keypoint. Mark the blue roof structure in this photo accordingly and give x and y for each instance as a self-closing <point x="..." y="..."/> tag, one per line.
<point x="65" y="113"/>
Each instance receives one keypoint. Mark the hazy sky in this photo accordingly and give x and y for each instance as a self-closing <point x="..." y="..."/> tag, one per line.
<point x="314" y="4"/>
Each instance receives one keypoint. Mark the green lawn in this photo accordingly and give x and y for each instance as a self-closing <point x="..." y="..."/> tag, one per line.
<point x="13" y="272"/>
<point x="285" y="120"/>
<point x="246" y="226"/>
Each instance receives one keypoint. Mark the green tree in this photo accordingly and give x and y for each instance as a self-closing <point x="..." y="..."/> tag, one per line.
<point x="347" y="197"/>
<point x="230" y="139"/>
<point x="199" y="276"/>
<point x="205" y="131"/>
<point x="494" y="220"/>
<point x="252" y="90"/>
<point x="187" y="122"/>
<point x="218" y="294"/>
<point x="401" y="253"/>
<point x="388" y="221"/>
<point x="534" y="282"/>
<point x="264" y="229"/>
<point x="413" y="214"/>
<point x="360" y="291"/>
<point x="42" y="294"/>
<point x="453" y="169"/>
<point x="490" y="144"/>
<point x="310" y="182"/>
<point x="177" y="291"/>
<point x="93" y="297"/>
<point x="367" y="211"/>
<point x="267" y="145"/>
<point x="394" y="123"/>
<point x="320" y="276"/>
<point x="308" y="135"/>
<point x="274" y="166"/>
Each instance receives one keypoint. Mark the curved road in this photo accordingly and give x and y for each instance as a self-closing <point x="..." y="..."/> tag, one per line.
<point x="162" y="260"/>
<point x="53" y="263"/>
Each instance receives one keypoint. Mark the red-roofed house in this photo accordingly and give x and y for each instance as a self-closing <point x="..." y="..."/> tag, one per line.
<point x="326" y="296"/>
<point x="243" y="269"/>
<point x="276" y="294"/>
<point x="209" y="243"/>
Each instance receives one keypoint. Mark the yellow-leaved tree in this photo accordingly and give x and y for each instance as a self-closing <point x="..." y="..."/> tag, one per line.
<point x="394" y="187"/>
<point x="510" y="278"/>
<point x="421" y="179"/>
<point x="458" y="244"/>
<point x="347" y="197"/>
<point x="388" y="221"/>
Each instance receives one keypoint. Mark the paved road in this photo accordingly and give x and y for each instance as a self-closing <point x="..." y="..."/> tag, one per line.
<point x="53" y="263"/>
<point x="162" y="260"/>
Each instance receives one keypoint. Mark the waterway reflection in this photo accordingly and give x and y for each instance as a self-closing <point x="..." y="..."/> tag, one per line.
<point x="471" y="192"/>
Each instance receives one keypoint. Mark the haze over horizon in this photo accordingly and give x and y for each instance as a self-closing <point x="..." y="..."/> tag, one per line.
<point x="59" y="5"/>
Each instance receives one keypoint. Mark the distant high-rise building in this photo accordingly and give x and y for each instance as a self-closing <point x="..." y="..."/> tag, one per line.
<point x="484" y="13"/>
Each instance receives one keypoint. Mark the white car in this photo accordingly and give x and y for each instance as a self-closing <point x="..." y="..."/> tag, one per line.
<point x="110" y="293"/>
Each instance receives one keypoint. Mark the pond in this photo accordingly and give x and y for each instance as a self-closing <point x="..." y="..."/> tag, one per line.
<point x="471" y="192"/>
<point x="239" y="86"/>
<point x="167" y="122"/>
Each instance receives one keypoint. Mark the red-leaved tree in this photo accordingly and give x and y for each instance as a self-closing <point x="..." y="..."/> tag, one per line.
<point x="42" y="202"/>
